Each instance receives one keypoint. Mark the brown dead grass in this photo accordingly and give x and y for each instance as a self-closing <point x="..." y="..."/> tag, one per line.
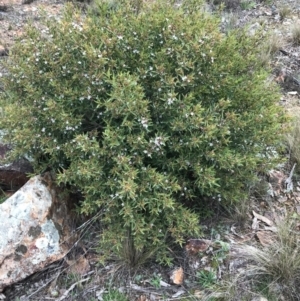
<point x="279" y="262"/>
<point x="293" y="139"/>
<point x="295" y="31"/>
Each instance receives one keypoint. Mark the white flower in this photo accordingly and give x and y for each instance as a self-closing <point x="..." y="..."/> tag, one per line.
<point x="158" y="141"/>
<point x="170" y="101"/>
<point x="144" y="123"/>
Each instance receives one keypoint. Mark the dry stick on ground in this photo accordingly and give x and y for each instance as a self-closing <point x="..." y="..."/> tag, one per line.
<point x="144" y="290"/>
<point x="43" y="286"/>
<point x="66" y="293"/>
<point x="289" y="54"/>
<point x="289" y="181"/>
<point x="284" y="52"/>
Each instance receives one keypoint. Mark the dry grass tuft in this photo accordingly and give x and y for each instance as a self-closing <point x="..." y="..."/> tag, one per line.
<point x="129" y="257"/>
<point x="293" y="141"/>
<point x="284" y="11"/>
<point x="272" y="44"/>
<point x="239" y="212"/>
<point x="230" y="21"/>
<point x="228" y="4"/>
<point x="295" y="30"/>
<point x="271" y="272"/>
<point x="278" y="263"/>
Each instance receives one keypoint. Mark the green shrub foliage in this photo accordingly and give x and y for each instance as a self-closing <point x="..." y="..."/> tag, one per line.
<point x="149" y="111"/>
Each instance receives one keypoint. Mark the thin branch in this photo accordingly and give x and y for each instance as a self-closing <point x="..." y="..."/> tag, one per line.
<point x="66" y="293"/>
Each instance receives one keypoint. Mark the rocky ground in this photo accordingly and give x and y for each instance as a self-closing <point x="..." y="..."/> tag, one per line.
<point x="79" y="277"/>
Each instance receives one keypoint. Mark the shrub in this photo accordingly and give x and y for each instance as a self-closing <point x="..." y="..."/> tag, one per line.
<point x="149" y="111"/>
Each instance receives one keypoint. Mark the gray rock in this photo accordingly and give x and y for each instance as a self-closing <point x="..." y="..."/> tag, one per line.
<point x="34" y="230"/>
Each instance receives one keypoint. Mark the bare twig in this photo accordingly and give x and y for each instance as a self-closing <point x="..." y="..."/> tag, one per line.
<point x="143" y="290"/>
<point x="66" y="293"/>
<point x="44" y="285"/>
<point x="289" y="181"/>
<point x="284" y="52"/>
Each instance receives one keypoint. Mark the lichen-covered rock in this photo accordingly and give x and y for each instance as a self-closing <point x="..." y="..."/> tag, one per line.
<point x="34" y="228"/>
